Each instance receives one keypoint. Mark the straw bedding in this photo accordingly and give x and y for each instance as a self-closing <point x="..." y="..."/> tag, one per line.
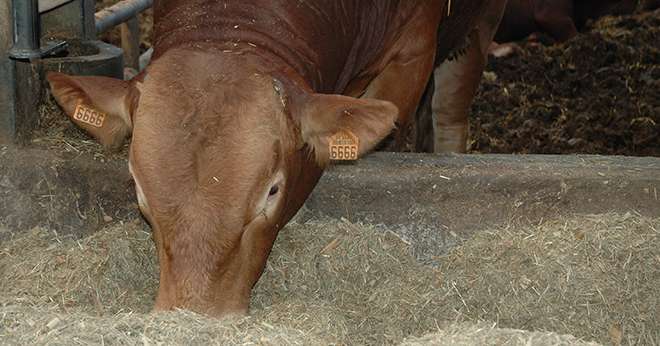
<point x="566" y="281"/>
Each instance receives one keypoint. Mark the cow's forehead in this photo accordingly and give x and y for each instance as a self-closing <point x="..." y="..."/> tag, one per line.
<point x="207" y="119"/>
<point x="205" y="85"/>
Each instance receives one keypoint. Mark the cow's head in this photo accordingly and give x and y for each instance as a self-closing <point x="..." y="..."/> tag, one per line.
<point x="223" y="154"/>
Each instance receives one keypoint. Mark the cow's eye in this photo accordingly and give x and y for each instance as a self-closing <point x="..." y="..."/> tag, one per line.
<point x="273" y="190"/>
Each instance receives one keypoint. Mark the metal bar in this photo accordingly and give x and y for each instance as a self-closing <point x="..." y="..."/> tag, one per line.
<point x="26" y="30"/>
<point x="130" y="43"/>
<point x="47" y="5"/>
<point x="118" y="13"/>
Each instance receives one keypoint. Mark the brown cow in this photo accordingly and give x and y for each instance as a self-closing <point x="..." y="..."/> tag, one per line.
<point x="232" y="119"/>
<point x="561" y="19"/>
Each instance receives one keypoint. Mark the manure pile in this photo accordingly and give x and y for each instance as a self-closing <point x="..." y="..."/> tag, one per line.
<point x="598" y="93"/>
<point x="570" y="281"/>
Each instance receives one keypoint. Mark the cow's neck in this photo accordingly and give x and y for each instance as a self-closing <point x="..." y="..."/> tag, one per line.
<point x="325" y="42"/>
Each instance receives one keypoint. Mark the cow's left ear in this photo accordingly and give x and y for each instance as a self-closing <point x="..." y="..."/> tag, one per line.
<point x="106" y="105"/>
<point x="322" y="116"/>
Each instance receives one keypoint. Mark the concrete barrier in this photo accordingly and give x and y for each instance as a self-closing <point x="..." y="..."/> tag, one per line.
<point x="432" y="201"/>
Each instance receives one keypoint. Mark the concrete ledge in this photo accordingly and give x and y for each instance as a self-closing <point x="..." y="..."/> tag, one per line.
<point x="73" y="194"/>
<point x="432" y="201"/>
<point x="436" y="201"/>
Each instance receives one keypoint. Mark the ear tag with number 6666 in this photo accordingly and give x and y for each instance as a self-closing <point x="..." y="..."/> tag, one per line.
<point x="89" y="115"/>
<point x="343" y="146"/>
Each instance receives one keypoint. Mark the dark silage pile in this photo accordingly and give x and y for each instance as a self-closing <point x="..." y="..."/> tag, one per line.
<point x="332" y="282"/>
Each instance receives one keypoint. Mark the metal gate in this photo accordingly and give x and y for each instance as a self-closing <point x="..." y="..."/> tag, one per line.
<point x="37" y="36"/>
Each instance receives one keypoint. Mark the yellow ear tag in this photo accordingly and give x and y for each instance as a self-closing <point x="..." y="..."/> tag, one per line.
<point x="89" y="115"/>
<point x="343" y="146"/>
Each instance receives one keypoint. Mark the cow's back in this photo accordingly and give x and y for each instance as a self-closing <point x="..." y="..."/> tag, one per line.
<point x="326" y="41"/>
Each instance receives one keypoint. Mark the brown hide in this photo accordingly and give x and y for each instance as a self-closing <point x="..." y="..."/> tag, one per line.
<point x="325" y="42"/>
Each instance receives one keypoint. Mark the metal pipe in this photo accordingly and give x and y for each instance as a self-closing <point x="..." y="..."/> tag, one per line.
<point x="26" y="30"/>
<point x="118" y="13"/>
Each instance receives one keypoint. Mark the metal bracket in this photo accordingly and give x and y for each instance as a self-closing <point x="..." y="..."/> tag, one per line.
<point x="49" y="48"/>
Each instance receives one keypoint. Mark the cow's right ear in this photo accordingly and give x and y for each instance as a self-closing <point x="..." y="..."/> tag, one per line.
<point x="323" y="116"/>
<point x="115" y="99"/>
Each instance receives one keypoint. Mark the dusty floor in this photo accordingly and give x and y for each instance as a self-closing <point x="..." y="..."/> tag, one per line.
<point x="331" y="282"/>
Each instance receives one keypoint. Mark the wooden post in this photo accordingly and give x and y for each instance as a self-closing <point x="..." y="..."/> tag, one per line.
<point x="7" y="76"/>
<point x="130" y="43"/>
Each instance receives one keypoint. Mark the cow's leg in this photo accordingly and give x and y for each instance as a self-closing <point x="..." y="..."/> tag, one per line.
<point x="456" y="82"/>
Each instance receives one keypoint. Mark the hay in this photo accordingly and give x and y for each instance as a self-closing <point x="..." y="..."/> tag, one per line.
<point x="593" y="277"/>
<point x="101" y="274"/>
<point x="333" y="282"/>
<point x="483" y="334"/>
<point x="41" y="325"/>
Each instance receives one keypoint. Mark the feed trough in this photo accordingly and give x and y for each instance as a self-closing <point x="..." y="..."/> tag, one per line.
<point x="398" y="247"/>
